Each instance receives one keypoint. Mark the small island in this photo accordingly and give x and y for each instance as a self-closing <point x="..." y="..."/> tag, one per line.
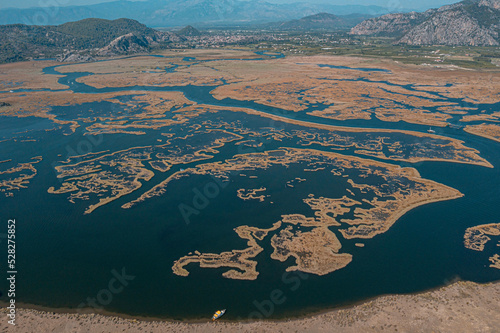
<point x="251" y="194"/>
<point x="315" y="252"/>
<point x="475" y="238"/>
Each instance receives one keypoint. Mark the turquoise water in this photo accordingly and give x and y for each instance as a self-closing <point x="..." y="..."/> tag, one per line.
<point x="65" y="257"/>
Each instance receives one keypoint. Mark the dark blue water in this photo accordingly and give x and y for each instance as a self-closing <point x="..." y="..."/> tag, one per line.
<point x="65" y="257"/>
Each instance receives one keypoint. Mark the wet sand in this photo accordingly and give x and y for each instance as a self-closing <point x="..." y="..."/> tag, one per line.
<point x="460" y="307"/>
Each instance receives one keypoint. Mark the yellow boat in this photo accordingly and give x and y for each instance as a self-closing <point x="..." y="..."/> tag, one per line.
<point x="218" y="314"/>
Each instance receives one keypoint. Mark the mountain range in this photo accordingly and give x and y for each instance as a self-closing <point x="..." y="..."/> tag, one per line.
<point x="469" y="22"/>
<point x="172" y="13"/>
<point x="320" y="21"/>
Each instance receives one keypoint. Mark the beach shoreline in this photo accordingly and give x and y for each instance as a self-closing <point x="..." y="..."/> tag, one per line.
<point x="462" y="306"/>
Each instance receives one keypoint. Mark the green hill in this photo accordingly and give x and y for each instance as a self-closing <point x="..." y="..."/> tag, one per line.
<point x="22" y="42"/>
<point x="189" y="31"/>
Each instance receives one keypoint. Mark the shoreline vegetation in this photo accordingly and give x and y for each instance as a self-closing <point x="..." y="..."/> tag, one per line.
<point x="462" y="306"/>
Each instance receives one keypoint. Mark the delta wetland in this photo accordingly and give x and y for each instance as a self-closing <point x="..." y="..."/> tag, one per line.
<point x="234" y="168"/>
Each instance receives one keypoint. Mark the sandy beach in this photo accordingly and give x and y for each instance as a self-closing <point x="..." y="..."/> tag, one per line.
<point x="459" y="307"/>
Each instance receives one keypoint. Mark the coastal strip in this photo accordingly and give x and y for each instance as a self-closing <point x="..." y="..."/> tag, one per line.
<point x="459" y="307"/>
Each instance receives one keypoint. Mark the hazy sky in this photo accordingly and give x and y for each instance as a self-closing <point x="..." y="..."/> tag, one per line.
<point x="384" y="3"/>
<point x="43" y="3"/>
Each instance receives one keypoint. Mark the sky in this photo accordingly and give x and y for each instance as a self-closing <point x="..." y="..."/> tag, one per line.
<point x="43" y="3"/>
<point x="421" y="4"/>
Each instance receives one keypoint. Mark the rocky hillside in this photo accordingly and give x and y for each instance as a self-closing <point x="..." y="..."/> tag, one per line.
<point x="125" y="44"/>
<point x="470" y="22"/>
<point x="79" y="40"/>
<point x="390" y="25"/>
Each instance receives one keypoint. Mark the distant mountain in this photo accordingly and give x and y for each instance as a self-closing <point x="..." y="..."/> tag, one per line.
<point x="470" y="22"/>
<point x="97" y="36"/>
<point x="174" y="13"/>
<point x="321" y="21"/>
